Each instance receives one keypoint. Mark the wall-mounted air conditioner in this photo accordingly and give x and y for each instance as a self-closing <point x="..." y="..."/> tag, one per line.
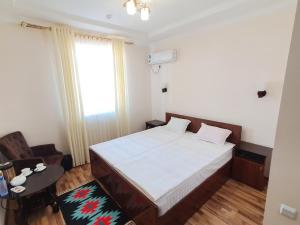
<point x="162" y="57"/>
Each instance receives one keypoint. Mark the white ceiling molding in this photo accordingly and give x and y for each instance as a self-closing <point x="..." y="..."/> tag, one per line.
<point x="19" y="12"/>
<point x="201" y="15"/>
<point x="169" y="17"/>
<point x="223" y="14"/>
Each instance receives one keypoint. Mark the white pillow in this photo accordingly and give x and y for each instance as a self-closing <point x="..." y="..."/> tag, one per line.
<point x="178" y="125"/>
<point x="213" y="134"/>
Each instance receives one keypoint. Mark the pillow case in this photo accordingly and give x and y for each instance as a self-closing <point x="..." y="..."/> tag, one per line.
<point x="178" y="125"/>
<point x="213" y="134"/>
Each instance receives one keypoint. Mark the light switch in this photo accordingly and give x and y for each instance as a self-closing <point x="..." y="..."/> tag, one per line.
<point x="288" y="211"/>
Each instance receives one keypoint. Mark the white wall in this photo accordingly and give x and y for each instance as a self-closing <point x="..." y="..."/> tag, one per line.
<point x="219" y="68"/>
<point x="138" y="75"/>
<point x="284" y="184"/>
<point x="28" y="91"/>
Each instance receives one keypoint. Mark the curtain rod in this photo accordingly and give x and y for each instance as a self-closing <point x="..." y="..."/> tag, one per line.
<point x="34" y="26"/>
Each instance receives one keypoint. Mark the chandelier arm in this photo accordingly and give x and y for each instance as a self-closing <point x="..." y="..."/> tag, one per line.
<point x="139" y="5"/>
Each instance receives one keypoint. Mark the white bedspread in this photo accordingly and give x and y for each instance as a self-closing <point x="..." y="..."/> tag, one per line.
<point x="164" y="165"/>
<point x="129" y="148"/>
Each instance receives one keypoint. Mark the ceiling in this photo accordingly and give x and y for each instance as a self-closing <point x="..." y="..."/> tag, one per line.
<point x="166" y="15"/>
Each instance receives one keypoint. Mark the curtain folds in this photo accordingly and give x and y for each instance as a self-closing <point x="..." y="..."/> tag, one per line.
<point x="70" y="93"/>
<point x="101" y="127"/>
<point x="121" y="87"/>
<point x="84" y="130"/>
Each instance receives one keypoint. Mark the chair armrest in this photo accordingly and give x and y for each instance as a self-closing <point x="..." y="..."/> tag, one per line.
<point x="45" y="150"/>
<point x="20" y="164"/>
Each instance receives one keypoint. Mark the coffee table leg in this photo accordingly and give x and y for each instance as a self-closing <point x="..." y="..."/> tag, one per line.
<point x="21" y="214"/>
<point x="55" y="207"/>
<point x="21" y="219"/>
<point x="54" y="203"/>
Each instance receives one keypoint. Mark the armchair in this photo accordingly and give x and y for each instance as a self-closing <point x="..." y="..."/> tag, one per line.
<point x="15" y="148"/>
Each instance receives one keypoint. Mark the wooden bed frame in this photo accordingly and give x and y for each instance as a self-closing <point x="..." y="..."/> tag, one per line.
<point x="141" y="209"/>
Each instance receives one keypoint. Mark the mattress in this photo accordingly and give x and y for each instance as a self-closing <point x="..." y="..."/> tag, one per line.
<point x="164" y="165"/>
<point x="128" y="148"/>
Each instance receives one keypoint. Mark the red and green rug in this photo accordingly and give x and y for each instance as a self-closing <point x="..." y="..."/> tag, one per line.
<point x="90" y="205"/>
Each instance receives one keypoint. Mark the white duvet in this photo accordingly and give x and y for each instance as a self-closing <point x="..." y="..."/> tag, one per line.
<point x="164" y="165"/>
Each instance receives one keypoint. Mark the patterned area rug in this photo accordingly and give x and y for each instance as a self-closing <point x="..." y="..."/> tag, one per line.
<point x="90" y="205"/>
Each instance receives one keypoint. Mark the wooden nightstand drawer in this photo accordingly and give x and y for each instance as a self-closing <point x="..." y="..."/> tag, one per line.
<point x="249" y="169"/>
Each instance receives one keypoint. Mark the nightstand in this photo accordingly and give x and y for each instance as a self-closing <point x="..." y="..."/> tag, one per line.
<point x="260" y="150"/>
<point x="154" y="123"/>
<point x="248" y="168"/>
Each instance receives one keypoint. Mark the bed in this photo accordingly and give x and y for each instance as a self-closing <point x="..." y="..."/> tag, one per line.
<point x="158" y="176"/>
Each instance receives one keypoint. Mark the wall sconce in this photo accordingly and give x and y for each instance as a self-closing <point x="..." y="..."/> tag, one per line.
<point x="164" y="88"/>
<point x="261" y="90"/>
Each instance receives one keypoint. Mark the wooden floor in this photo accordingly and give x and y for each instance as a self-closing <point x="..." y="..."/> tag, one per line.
<point x="233" y="204"/>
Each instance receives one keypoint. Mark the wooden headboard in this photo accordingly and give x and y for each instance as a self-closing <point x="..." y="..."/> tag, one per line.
<point x="195" y="124"/>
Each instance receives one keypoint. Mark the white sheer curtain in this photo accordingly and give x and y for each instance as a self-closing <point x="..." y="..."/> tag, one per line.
<point x="97" y="75"/>
<point x="121" y="87"/>
<point x="64" y="40"/>
<point x="93" y="89"/>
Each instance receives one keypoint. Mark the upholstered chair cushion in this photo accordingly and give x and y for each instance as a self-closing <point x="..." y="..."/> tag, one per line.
<point x="15" y="146"/>
<point x="54" y="159"/>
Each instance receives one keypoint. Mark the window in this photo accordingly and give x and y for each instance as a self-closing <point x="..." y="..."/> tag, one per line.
<point x="96" y="75"/>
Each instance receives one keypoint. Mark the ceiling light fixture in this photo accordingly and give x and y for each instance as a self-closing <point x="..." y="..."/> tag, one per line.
<point x="145" y="13"/>
<point x="132" y="6"/>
